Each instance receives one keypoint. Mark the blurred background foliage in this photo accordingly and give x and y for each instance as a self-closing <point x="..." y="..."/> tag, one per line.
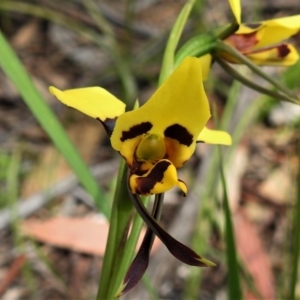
<point x="45" y="211"/>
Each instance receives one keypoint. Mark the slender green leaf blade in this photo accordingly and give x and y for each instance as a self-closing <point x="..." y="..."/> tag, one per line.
<point x="18" y="75"/>
<point x="234" y="287"/>
<point x="168" y="60"/>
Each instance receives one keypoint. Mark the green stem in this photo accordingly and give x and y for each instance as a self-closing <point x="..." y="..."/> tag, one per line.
<point x="98" y="18"/>
<point x="119" y="222"/>
<point x="236" y="75"/>
<point x="221" y="46"/>
<point x="204" y="43"/>
<point x="196" y="46"/>
<point x="225" y="31"/>
<point x="122" y="264"/>
<point x="234" y="286"/>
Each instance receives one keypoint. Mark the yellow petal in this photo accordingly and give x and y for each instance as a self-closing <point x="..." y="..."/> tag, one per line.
<point x="249" y="28"/>
<point x="161" y="178"/>
<point x="274" y="31"/>
<point x="177" y="153"/>
<point x="211" y="136"/>
<point x="179" y="109"/>
<point x="281" y="55"/>
<point x="287" y="23"/>
<point x="126" y="150"/>
<point x="205" y="65"/>
<point x="236" y="9"/>
<point x="95" y="102"/>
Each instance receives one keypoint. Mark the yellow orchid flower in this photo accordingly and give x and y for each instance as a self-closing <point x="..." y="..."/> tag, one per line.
<point x="262" y="42"/>
<point x="155" y="140"/>
<point x="161" y="135"/>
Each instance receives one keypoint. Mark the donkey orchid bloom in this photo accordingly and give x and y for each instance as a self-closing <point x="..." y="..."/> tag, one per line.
<point x="155" y="140"/>
<point x="262" y="42"/>
<point x="161" y="135"/>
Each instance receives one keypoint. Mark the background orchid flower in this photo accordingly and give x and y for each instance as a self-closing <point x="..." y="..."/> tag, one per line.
<point x="158" y="137"/>
<point x="262" y="42"/>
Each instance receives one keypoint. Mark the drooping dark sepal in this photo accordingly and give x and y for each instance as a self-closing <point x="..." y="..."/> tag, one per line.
<point x="177" y="249"/>
<point x="140" y="263"/>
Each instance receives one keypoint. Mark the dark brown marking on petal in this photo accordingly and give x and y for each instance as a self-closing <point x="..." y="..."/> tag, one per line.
<point x="141" y="260"/>
<point x="179" y="133"/>
<point x="136" y="167"/>
<point x="283" y="50"/>
<point x="108" y="124"/>
<point x="136" y="130"/>
<point x="146" y="184"/>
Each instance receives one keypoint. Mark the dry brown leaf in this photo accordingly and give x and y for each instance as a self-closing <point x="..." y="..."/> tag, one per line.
<point x="12" y="273"/>
<point x="26" y="34"/>
<point x="278" y="186"/>
<point x="86" y="235"/>
<point x="254" y="257"/>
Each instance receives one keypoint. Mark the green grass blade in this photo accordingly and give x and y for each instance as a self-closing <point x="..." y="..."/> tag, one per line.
<point x="222" y="46"/>
<point x="124" y="261"/>
<point x="119" y="221"/>
<point x="18" y="75"/>
<point x="169" y="55"/>
<point x="234" y="287"/>
<point x="103" y="41"/>
<point x="296" y="240"/>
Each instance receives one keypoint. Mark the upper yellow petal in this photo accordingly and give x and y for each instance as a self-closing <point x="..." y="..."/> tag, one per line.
<point x="274" y="31"/>
<point x="179" y="109"/>
<point x="212" y="136"/>
<point x="95" y="102"/>
<point x="236" y="9"/>
<point x="205" y="65"/>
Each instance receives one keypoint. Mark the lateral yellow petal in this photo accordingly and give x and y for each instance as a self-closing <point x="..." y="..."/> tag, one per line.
<point x="281" y="55"/>
<point x="278" y="30"/>
<point x="271" y="32"/>
<point x="290" y="22"/>
<point x="205" y="65"/>
<point x="211" y="136"/>
<point x="95" y="102"/>
<point x="236" y="9"/>
<point x="161" y="178"/>
<point x="179" y="109"/>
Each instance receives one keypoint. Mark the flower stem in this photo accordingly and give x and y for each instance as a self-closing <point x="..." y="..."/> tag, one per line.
<point x="119" y="221"/>
<point x="236" y="75"/>
<point x="221" y="46"/>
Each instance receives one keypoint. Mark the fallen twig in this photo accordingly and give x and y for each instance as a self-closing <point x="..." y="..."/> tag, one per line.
<point x="12" y="273"/>
<point x="28" y="206"/>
